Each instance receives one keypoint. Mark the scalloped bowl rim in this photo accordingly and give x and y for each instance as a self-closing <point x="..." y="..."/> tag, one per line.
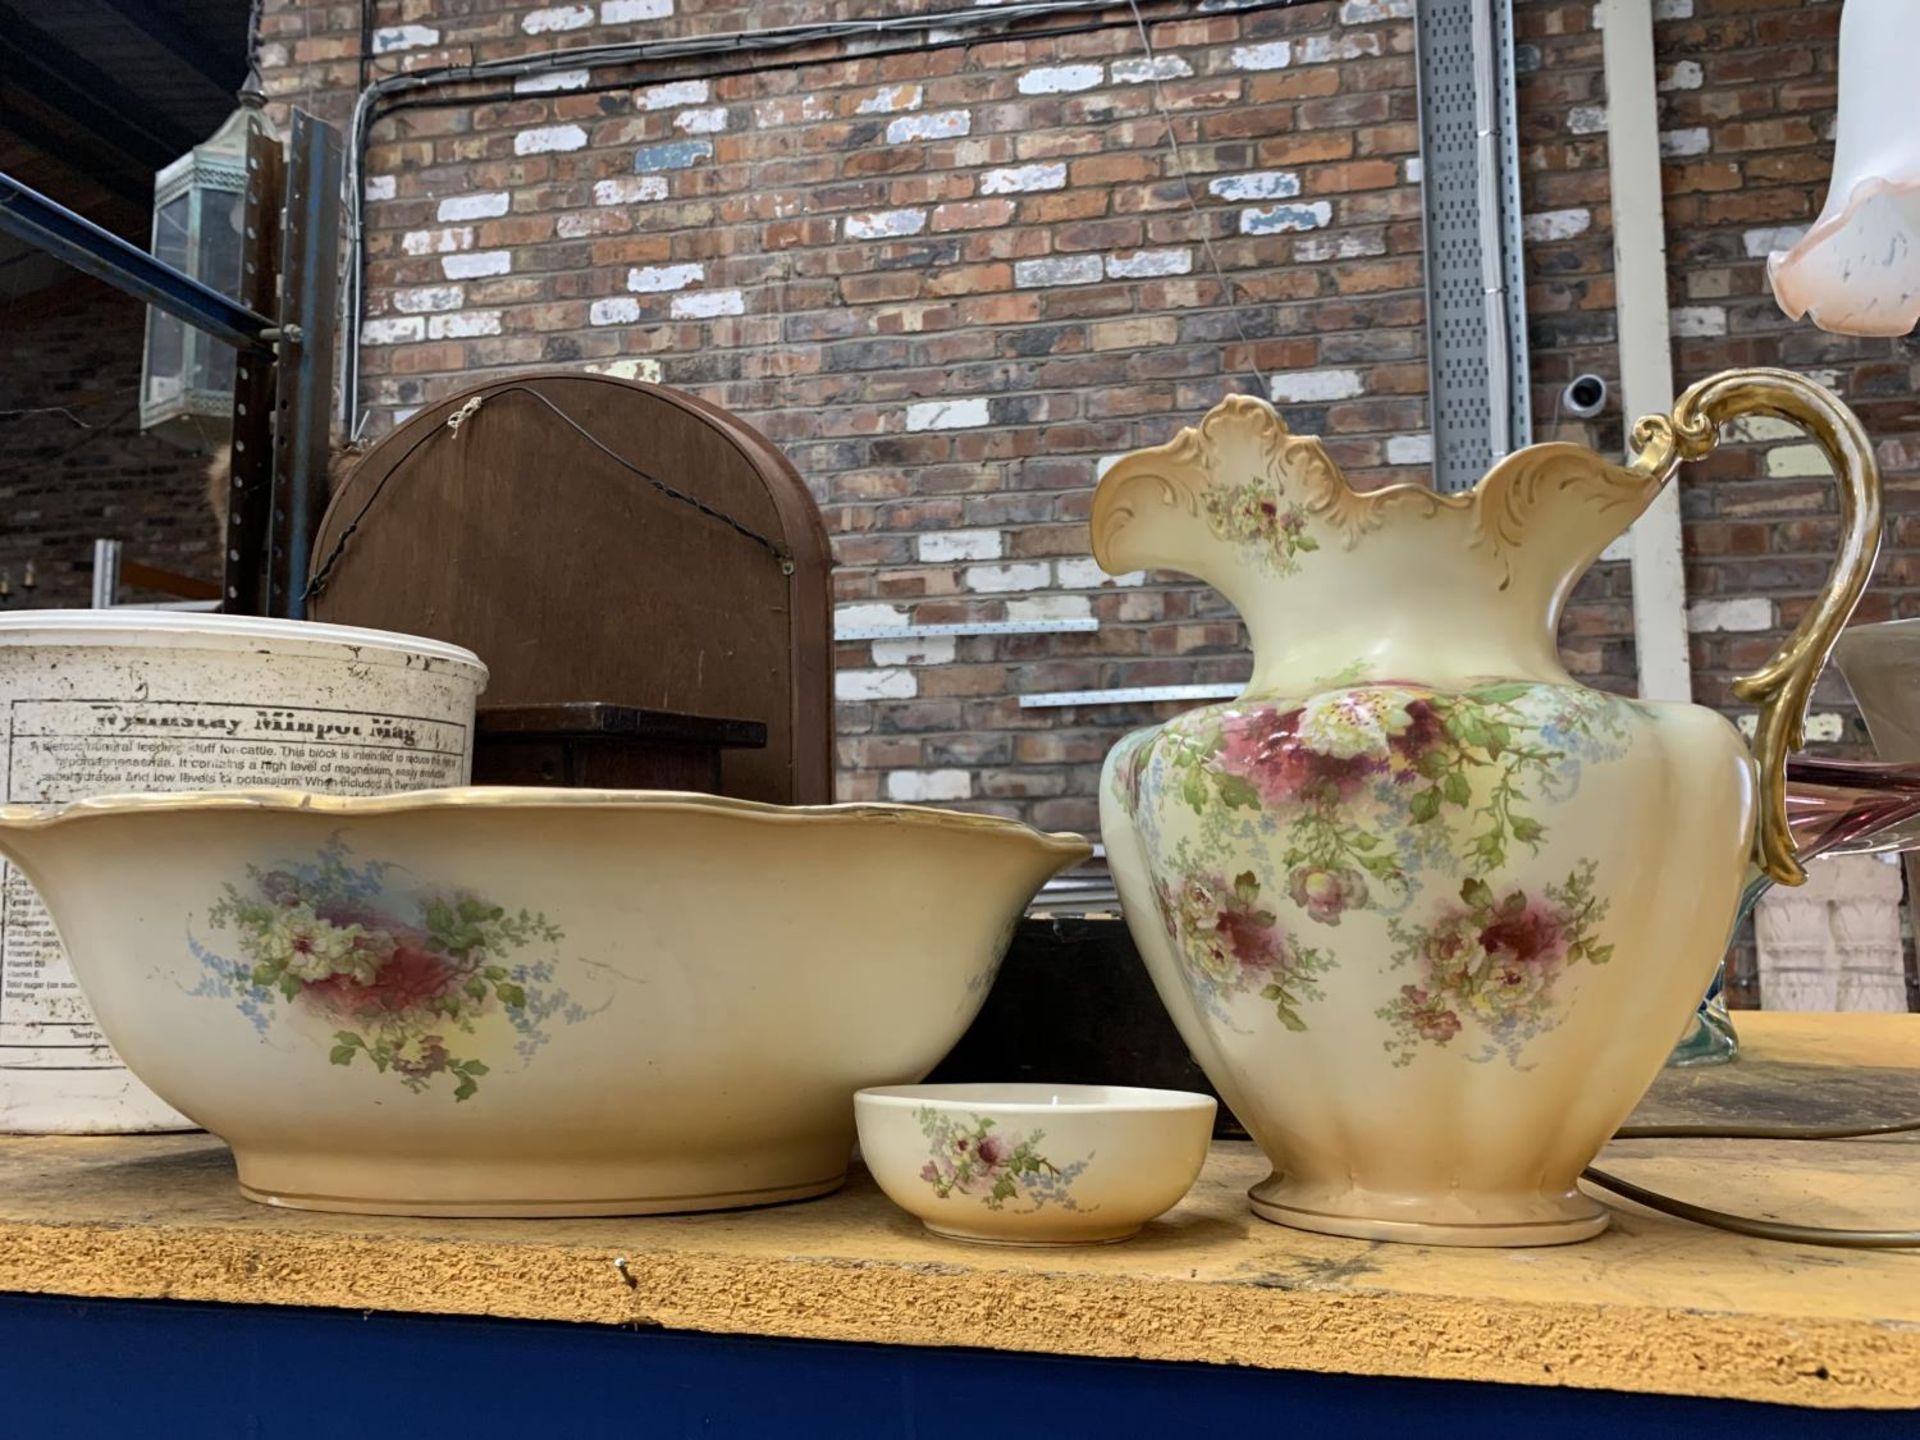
<point x="527" y="797"/>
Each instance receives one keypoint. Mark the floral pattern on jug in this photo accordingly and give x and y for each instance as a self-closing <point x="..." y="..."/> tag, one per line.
<point x="1491" y="963"/>
<point x="982" y="1161"/>
<point x="401" y="974"/>
<point x="1363" y="793"/>
<point x="1416" y="875"/>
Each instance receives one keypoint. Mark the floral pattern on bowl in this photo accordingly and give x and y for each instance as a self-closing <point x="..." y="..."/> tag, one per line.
<point x="402" y="974"/>
<point x="977" y="1159"/>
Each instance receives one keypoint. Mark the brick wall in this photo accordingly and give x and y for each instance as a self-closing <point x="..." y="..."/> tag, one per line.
<point x="950" y="282"/>
<point x="77" y="345"/>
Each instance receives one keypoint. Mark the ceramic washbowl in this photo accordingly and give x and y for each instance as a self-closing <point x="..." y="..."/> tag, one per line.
<point x="526" y="1001"/>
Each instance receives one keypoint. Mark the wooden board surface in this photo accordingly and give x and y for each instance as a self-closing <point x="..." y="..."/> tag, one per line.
<point x="1653" y="1305"/>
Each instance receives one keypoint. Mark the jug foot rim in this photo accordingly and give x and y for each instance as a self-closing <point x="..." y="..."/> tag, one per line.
<point x="1502" y="1234"/>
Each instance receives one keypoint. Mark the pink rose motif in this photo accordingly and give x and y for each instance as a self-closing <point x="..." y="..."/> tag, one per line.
<point x="992" y="1150"/>
<point x="1529" y="936"/>
<point x="1250" y="933"/>
<point x="1263" y="747"/>
<point x="1325" y="892"/>
<point x="1429" y="1018"/>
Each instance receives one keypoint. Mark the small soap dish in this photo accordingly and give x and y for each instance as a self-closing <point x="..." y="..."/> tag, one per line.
<point x="1033" y="1164"/>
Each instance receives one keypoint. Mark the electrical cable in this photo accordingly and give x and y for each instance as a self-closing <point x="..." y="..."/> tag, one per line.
<point x="1202" y="226"/>
<point x="1779" y="1230"/>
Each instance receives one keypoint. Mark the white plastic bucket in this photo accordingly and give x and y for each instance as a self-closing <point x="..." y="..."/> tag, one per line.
<point x="122" y="701"/>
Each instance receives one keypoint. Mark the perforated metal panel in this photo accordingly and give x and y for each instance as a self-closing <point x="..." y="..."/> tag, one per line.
<point x="1471" y="304"/>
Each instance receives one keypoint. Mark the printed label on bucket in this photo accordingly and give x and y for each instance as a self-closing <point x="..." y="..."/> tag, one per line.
<point x="67" y="749"/>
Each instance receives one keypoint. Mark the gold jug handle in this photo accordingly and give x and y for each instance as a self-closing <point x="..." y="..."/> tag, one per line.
<point x="1782" y="687"/>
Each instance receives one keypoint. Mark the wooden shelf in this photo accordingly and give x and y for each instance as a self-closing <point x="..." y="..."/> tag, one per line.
<point x="1654" y="1305"/>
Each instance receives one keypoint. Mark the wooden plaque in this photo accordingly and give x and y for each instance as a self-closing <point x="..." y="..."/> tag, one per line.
<point x="577" y="580"/>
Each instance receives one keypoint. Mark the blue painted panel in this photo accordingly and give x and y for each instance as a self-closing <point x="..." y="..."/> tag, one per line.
<point x="130" y="1370"/>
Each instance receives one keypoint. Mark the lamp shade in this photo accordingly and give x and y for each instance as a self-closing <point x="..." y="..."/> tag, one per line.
<point x="1857" y="271"/>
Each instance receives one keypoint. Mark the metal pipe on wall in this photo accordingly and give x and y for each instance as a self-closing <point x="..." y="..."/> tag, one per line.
<point x="1646" y="350"/>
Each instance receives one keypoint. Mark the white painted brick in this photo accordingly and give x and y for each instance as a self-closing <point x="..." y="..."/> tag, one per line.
<point x="1791" y="462"/>
<point x="1141" y="71"/>
<point x="909" y="786"/>
<point x="1302" y="387"/>
<point x="654" y="279"/>
<point x="923" y="650"/>
<point x="890" y="98"/>
<point x="423" y="298"/>
<point x="640" y="367"/>
<point x="625" y="12"/>
<point x="381" y="187"/>
<point x="947" y="414"/>
<point x="549" y="138"/>
<point x="1750" y="429"/>
<point x="880" y="224"/>
<point x="1051" y="607"/>
<point x="1695" y="321"/>
<point x="1587" y="120"/>
<point x="1749" y="612"/>
<point x="437" y="242"/>
<point x="674" y="94"/>
<point x="941" y="545"/>
<point x="1414" y="169"/>
<point x="1547" y="225"/>
<point x="393" y="330"/>
<point x="1350" y="246"/>
<point x="1060" y="79"/>
<point x="473" y="207"/>
<point x="784" y="111"/>
<point x="1106" y="463"/>
<point x="1673" y="9"/>
<point x="940" y="125"/>
<point x="1410" y="450"/>
<point x="701" y="122"/>
<point x="629" y="189"/>
<point x="1274" y="55"/>
<point x="1086" y="574"/>
<point x="549" y="82"/>
<point x="1258" y="185"/>
<point x="463" y="326"/>
<point x="1682" y="75"/>
<point x="891" y="684"/>
<point x="1762" y="243"/>
<point x="1368" y="12"/>
<point x="1023" y="179"/>
<point x="1326" y="49"/>
<point x="555" y="18"/>
<point x="1679" y="144"/>
<point x="994" y="579"/>
<point x="1056" y="270"/>
<point x="707" y="304"/>
<point x="614" y="310"/>
<point x="849" y="617"/>
<point x="404" y="37"/>
<point x="1285" y="219"/>
<point x="1826" y="727"/>
<point x="1149" y="264"/>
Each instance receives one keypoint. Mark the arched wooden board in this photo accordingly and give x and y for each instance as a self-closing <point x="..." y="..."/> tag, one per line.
<point x="575" y="579"/>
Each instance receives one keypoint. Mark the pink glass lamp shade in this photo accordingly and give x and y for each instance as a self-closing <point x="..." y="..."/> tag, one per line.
<point x="1857" y="271"/>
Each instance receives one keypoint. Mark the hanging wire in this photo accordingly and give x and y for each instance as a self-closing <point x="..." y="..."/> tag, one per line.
<point x="1203" y="227"/>
<point x="452" y="425"/>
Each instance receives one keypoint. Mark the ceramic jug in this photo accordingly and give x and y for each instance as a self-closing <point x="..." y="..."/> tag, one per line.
<point x="1429" y="912"/>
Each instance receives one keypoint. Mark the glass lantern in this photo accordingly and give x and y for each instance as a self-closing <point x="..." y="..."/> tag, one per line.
<point x="199" y="216"/>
